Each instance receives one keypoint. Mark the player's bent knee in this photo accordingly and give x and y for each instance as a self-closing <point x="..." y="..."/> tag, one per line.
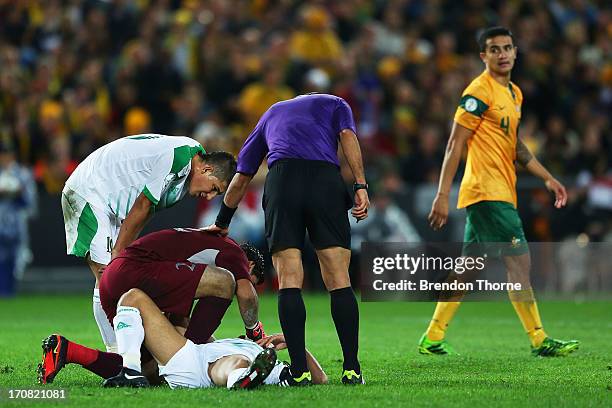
<point x="132" y="297"/>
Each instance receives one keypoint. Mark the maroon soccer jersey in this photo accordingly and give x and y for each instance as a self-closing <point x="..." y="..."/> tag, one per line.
<point x="167" y="265"/>
<point x="190" y="246"/>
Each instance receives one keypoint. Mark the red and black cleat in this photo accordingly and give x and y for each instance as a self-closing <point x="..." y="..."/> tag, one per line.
<point x="259" y="370"/>
<point x="54" y="358"/>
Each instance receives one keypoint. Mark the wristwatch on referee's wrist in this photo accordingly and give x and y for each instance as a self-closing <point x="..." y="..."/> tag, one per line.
<point x="360" y="186"/>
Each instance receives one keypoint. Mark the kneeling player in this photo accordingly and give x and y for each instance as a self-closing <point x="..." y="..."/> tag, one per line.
<point x="233" y="363"/>
<point x="175" y="266"/>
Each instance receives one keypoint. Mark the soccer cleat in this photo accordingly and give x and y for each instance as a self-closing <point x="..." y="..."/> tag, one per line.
<point x="350" y="377"/>
<point x="438" y="347"/>
<point x="555" y="348"/>
<point x="54" y="358"/>
<point x="127" y="377"/>
<point x="288" y="380"/>
<point x="259" y="370"/>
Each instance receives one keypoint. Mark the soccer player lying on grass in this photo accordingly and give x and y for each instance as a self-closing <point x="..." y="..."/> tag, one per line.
<point x="231" y="363"/>
<point x="175" y="266"/>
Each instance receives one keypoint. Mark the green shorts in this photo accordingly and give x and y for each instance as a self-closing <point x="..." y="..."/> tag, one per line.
<point x="494" y="227"/>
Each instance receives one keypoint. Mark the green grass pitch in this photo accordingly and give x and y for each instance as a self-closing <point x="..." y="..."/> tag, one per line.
<point x="494" y="368"/>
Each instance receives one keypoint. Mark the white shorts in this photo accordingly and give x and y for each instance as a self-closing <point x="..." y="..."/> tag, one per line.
<point x="188" y="368"/>
<point x="89" y="230"/>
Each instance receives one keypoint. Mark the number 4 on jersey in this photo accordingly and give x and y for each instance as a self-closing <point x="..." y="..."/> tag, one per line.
<point x="505" y="124"/>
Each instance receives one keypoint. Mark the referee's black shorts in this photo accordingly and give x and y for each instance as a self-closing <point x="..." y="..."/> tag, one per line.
<point x="306" y="195"/>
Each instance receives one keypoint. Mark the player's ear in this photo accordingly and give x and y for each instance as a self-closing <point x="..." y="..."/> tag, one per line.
<point x="207" y="168"/>
<point x="482" y="56"/>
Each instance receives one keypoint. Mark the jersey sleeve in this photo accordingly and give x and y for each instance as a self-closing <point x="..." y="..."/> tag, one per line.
<point x="343" y="117"/>
<point x="159" y="177"/>
<point x="473" y="104"/>
<point x="233" y="258"/>
<point x="254" y="149"/>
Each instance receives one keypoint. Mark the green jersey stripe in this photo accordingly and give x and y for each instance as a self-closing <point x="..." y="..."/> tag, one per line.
<point x="86" y="230"/>
<point x="148" y="194"/>
<point x="183" y="155"/>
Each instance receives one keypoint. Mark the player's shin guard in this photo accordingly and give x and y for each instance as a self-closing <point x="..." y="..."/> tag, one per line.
<point x="345" y="312"/>
<point x="292" y="316"/>
<point x="441" y="318"/>
<point x="98" y="362"/>
<point x="106" y="330"/>
<point x="205" y="318"/>
<point x="130" y="334"/>
<point x="526" y="308"/>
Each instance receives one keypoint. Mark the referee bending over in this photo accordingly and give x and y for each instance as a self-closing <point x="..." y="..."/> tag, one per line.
<point x="304" y="191"/>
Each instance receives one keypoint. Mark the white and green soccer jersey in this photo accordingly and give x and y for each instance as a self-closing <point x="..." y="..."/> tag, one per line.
<point x="112" y="177"/>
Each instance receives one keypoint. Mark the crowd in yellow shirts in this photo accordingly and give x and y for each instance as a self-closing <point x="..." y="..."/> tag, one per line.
<point x="76" y="75"/>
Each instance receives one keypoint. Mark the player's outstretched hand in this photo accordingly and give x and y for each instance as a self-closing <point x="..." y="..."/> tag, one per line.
<point x="275" y="340"/>
<point x="216" y="230"/>
<point x="439" y="212"/>
<point x="553" y="185"/>
<point x="362" y="203"/>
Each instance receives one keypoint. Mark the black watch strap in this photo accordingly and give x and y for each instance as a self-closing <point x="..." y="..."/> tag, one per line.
<point x="359" y="186"/>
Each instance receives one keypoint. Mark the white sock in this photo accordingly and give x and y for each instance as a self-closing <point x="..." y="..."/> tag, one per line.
<point x="130" y="334"/>
<point x="234" y="375"/>
<point x="106" y="330"/>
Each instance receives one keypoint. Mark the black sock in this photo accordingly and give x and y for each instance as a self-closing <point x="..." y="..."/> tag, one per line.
<point x="345" y="313"/>
<point x="292" y="316"/>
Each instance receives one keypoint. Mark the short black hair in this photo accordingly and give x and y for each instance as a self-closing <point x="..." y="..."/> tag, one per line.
<point x="224" y="164"/>
<point x="254" y="255"/>
<point x="490" y="33"/>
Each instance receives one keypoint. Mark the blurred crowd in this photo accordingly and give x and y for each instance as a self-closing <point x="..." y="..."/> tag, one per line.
<point x="75" y="75"/>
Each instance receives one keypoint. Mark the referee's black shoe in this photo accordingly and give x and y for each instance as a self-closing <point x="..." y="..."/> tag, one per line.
<point x="127" y="377"/>
<point x="350" y="377"/>
<point x="288" y="380"/>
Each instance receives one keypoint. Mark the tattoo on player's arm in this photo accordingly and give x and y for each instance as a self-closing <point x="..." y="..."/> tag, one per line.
<point x="250" y="312"/>
<point x="523" y="155"/>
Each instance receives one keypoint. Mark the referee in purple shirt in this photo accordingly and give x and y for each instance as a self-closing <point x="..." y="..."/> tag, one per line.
<point x="305" y="192"/>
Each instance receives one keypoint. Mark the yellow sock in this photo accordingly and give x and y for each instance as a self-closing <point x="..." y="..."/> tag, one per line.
<point x="441" y="318"/>
<point x="526" y="308"/>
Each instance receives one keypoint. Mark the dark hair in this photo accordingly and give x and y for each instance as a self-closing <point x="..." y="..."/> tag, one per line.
<point x="224" y="164"/>
<point x="254" y="255"/>
<point x="490" y="33"/>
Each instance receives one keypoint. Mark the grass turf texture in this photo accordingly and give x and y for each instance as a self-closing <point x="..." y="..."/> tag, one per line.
<point x="494" y="368"/>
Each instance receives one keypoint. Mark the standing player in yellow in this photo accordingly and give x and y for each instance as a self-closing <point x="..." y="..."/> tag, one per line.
<point x="487" y="119"/>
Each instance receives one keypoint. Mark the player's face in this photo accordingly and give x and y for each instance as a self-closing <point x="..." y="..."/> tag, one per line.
<point x="500" y="54"/>
<point x="252" y="277"/>
<point x="204" y="184"/>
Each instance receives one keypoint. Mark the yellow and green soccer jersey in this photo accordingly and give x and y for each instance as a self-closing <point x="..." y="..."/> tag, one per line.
<point x="493" y="112"/>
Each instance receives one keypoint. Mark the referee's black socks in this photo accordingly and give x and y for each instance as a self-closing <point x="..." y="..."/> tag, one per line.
<point x="292" y="316"/>
<point x="345" y="313"/>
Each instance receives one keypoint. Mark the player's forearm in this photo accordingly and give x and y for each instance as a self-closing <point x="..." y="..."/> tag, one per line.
<point x="248" y="302"/>
<point x="536" y="168"/>
<point x="237" y="189"/>
<point x="525" y="158"/>
<point x="133" y="224"/>
<point x="316" y="371"/>
<point x="449" y="166"/>
<point x="352" y="153"/>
